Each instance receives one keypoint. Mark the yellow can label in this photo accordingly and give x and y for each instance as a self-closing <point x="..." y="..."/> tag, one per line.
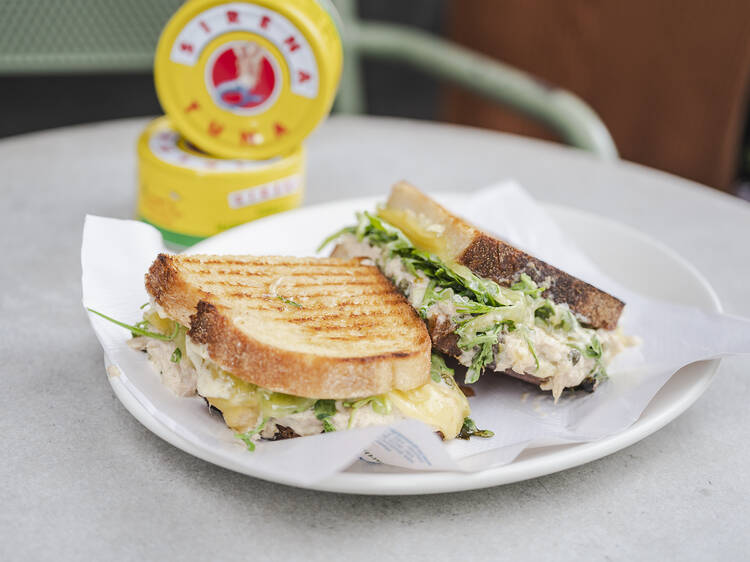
<point x="190" y="195"/>
<point x="248" y="79"/>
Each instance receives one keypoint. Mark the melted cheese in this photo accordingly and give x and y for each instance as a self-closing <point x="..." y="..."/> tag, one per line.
<point x="441" y="405"/>
<point x="237" y="399"/>
<point x="419" y="230"/>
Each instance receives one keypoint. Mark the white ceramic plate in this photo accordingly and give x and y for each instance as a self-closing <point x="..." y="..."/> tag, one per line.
<point x="619" y="250"/>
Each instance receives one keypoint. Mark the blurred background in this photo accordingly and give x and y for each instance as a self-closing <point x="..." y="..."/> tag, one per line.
<point x="669" y="79"/>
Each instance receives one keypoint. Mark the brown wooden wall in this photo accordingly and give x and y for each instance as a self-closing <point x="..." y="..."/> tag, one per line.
<point x="670" y="79"/>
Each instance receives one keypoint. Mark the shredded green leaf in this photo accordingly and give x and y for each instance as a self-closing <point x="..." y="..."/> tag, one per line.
<point x="469" y="429"/>
<point x="484" y="309"/>
<point x="324" y="409"/>
<point x="594" y="348"/>
<point x="289" y="301"/>
<point x="478" y="363"/>
<point x="485" y="343"/>
<point x="428" y="299"/>
<point x="176" y="355"/>
<point x="527" y="286"/>
<point x="567" y="321"/>
<point x="532" y="350"/>
<point x="328" y="427"/>
<point x="380" y="405"/>
<point x="546" y="311"/>
<point x="438" y="368"/>
<point x="247" y="437"/>
<point x="140" y="331"/>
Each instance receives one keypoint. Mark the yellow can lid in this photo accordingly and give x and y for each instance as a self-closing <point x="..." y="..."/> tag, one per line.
<point x="248" y="79"/>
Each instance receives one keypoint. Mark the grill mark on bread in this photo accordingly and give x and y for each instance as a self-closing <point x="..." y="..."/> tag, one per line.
<point x="316" y="262"/>
<point x="308" y="296"/>
<point x="242" y="357"/>
<point x="356" y="283"/>
<point x="284" y="286"/>
<point x="273" y="274"/>
<point x="317" y="302"/>
<point x="355" y="342"/>
<point x="359" y="294"/>
<point x="355" y="317"/>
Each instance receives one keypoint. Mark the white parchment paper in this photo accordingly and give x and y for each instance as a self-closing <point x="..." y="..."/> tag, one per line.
<point x="116" y="254"/>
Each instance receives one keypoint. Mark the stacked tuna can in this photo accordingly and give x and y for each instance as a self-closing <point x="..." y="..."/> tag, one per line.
<point x="242" y="84"/>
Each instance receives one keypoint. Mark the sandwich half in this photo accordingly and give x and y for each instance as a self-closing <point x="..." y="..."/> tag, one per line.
<point x="486" y="303"/>
<point x="286" y="347"/>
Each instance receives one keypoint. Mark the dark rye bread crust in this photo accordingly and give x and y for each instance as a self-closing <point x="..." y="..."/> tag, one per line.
<point x="493" y="259"/>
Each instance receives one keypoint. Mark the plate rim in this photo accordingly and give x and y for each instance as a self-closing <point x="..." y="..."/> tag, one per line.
<point x="432" y="482"/>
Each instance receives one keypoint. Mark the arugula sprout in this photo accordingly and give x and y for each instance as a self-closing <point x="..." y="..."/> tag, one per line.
<point x="139" y="330"/>
<point x="483" y="308"/>
<point x="176" y="355"/>
<point x="247" y="437"/>
<point x="332" y="237"/>
<point x="289" y="301"/>
<point x="324" y="409"/>
<point x="478" y="363"/>
<point x="391" y="239"/>
<point x="142" y="325"/>
<point x="527" y="286"/>
<point x="533" y="351"/>
<point x="469" y="429"/>
<point x="428" y="299"/>
<point x="486" y="342"/>
<point x="473" y="307"/>
<point x="438" y="368"/>
<point x="595" y="351"/>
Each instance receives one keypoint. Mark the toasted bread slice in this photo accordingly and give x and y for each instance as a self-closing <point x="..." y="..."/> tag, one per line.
<point x="314" y="327"/>
<point x="490" y="258"/>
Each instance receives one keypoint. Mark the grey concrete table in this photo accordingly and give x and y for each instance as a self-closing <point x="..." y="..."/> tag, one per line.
<point x="82" y="479"/>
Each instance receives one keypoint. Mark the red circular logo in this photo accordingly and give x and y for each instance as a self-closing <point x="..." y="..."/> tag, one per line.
<point x="242" y="77"/>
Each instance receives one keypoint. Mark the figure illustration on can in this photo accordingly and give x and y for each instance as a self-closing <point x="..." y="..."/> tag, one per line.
<point x="243" y="76"/>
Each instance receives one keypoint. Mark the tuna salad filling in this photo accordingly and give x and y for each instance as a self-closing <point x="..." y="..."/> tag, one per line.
<point x="507" y="329"/>
<point x="254" y="412"/>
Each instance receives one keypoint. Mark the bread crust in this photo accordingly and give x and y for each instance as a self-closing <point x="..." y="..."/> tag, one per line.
<point x="491" y="258"/>
<point x="169" y="289"/>
<point x="306" y="374"/>
<point x="355" y="336"/>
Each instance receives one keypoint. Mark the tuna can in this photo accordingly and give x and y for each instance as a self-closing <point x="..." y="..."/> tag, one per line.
<point x="189" y="195"/>
<point x="248" y="79"/>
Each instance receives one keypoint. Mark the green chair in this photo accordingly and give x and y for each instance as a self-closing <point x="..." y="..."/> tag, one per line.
<point x="99" y="36"/>
<point x="80" y="36"/>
